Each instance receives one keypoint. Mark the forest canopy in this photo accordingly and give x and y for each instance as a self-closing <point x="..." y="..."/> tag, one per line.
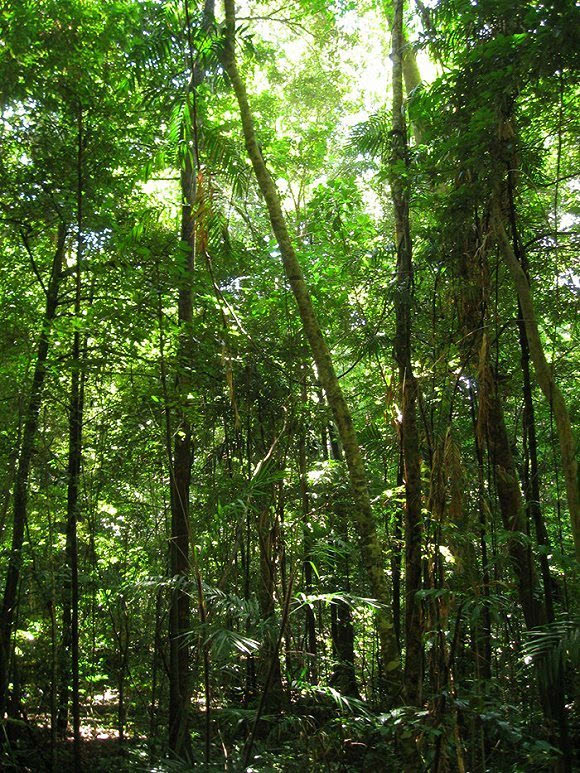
<point x="288" y="344"/>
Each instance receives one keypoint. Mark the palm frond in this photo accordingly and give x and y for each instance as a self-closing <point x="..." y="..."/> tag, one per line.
<point x="372" y="137"/>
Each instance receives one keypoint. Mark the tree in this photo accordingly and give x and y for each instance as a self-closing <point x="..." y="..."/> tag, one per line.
<point x="232" y="492"/>
<point x="403" y="352"/>
<point x="370" y="548"/>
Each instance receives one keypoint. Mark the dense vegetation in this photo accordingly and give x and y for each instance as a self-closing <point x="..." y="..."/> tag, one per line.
<point x="288" y="474"/>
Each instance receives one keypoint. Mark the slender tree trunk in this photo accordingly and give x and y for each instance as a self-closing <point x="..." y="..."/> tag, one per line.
<point x="180" y="475"/>
<point x="271" y="659"/>
<point x="70" y="615"/>
<point x="123" y="641"/>
<point x="409" y="67"/>
<point x="154" y="673"/>
<point x="532" y="487"/>
<point x="9" y="601"/>
<point x="543" y="374"/>
<point x="307" y="542"/>
<point x="554" y="692"/>
<point x="343" y="676"/>
<point x="363" y="516"/>
<point x="483" y="636"/>
<point x="396" y="559"/>
<point x="53" y="651"/>
<point x="409" y="431"/>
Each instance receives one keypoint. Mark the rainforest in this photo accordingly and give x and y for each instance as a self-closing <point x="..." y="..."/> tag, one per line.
<point x="288" y="343"/>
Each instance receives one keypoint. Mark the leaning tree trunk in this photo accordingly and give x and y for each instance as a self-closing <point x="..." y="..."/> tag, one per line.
<point x="9" y="601"/>
<point x="370" y="546"/>
<point x="409" y="431"/>
<point x="543" y="374"/>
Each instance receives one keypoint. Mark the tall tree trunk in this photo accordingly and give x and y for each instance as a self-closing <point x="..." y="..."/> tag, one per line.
<point x="10" y="597"/>
<point x="532" y="482"/>
<point x="491" y="427"/>
<point x="408" y="61"/>
<point x="552" y="691"/>
<point x="307" y="539"/>
<point x="70" y="614"/>
<point x="363" y="516"/>
<point x="396" y="558"/>
<point x="543" y="374"/>
<point x="409" y="431"/>
<point x="270" y="663"/>
<point x="483" y="634"/>
<point x="180" y="473"/>
<point x="491" y="431"/>
<point x="343" y="676"/>
<point x="153" y="706"/>
<point x="513" y="517"/>
<point x="180" y="477"/>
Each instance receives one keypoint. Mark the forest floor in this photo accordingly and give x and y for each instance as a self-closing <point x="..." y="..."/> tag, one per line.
<point x="31" y="750"/>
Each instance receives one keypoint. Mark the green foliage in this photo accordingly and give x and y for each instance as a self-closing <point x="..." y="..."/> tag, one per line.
<point x="99" y="95"/>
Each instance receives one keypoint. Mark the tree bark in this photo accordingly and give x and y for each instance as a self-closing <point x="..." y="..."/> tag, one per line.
<point x="307" y="540"/>
<point x="270" y="661"/>
<point x="532" y="482"/>
<point x="180" y="473"/>
<point x="491" y="424"/>
<point x="409" y="431"/>
<point x="370" y="547"/>
<point x="70" y="614"/>
<point x="410" y="69"/>
<point x="396" y="555"/>
<point x="180" y="478"/>
<point x="343" y="676"/>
